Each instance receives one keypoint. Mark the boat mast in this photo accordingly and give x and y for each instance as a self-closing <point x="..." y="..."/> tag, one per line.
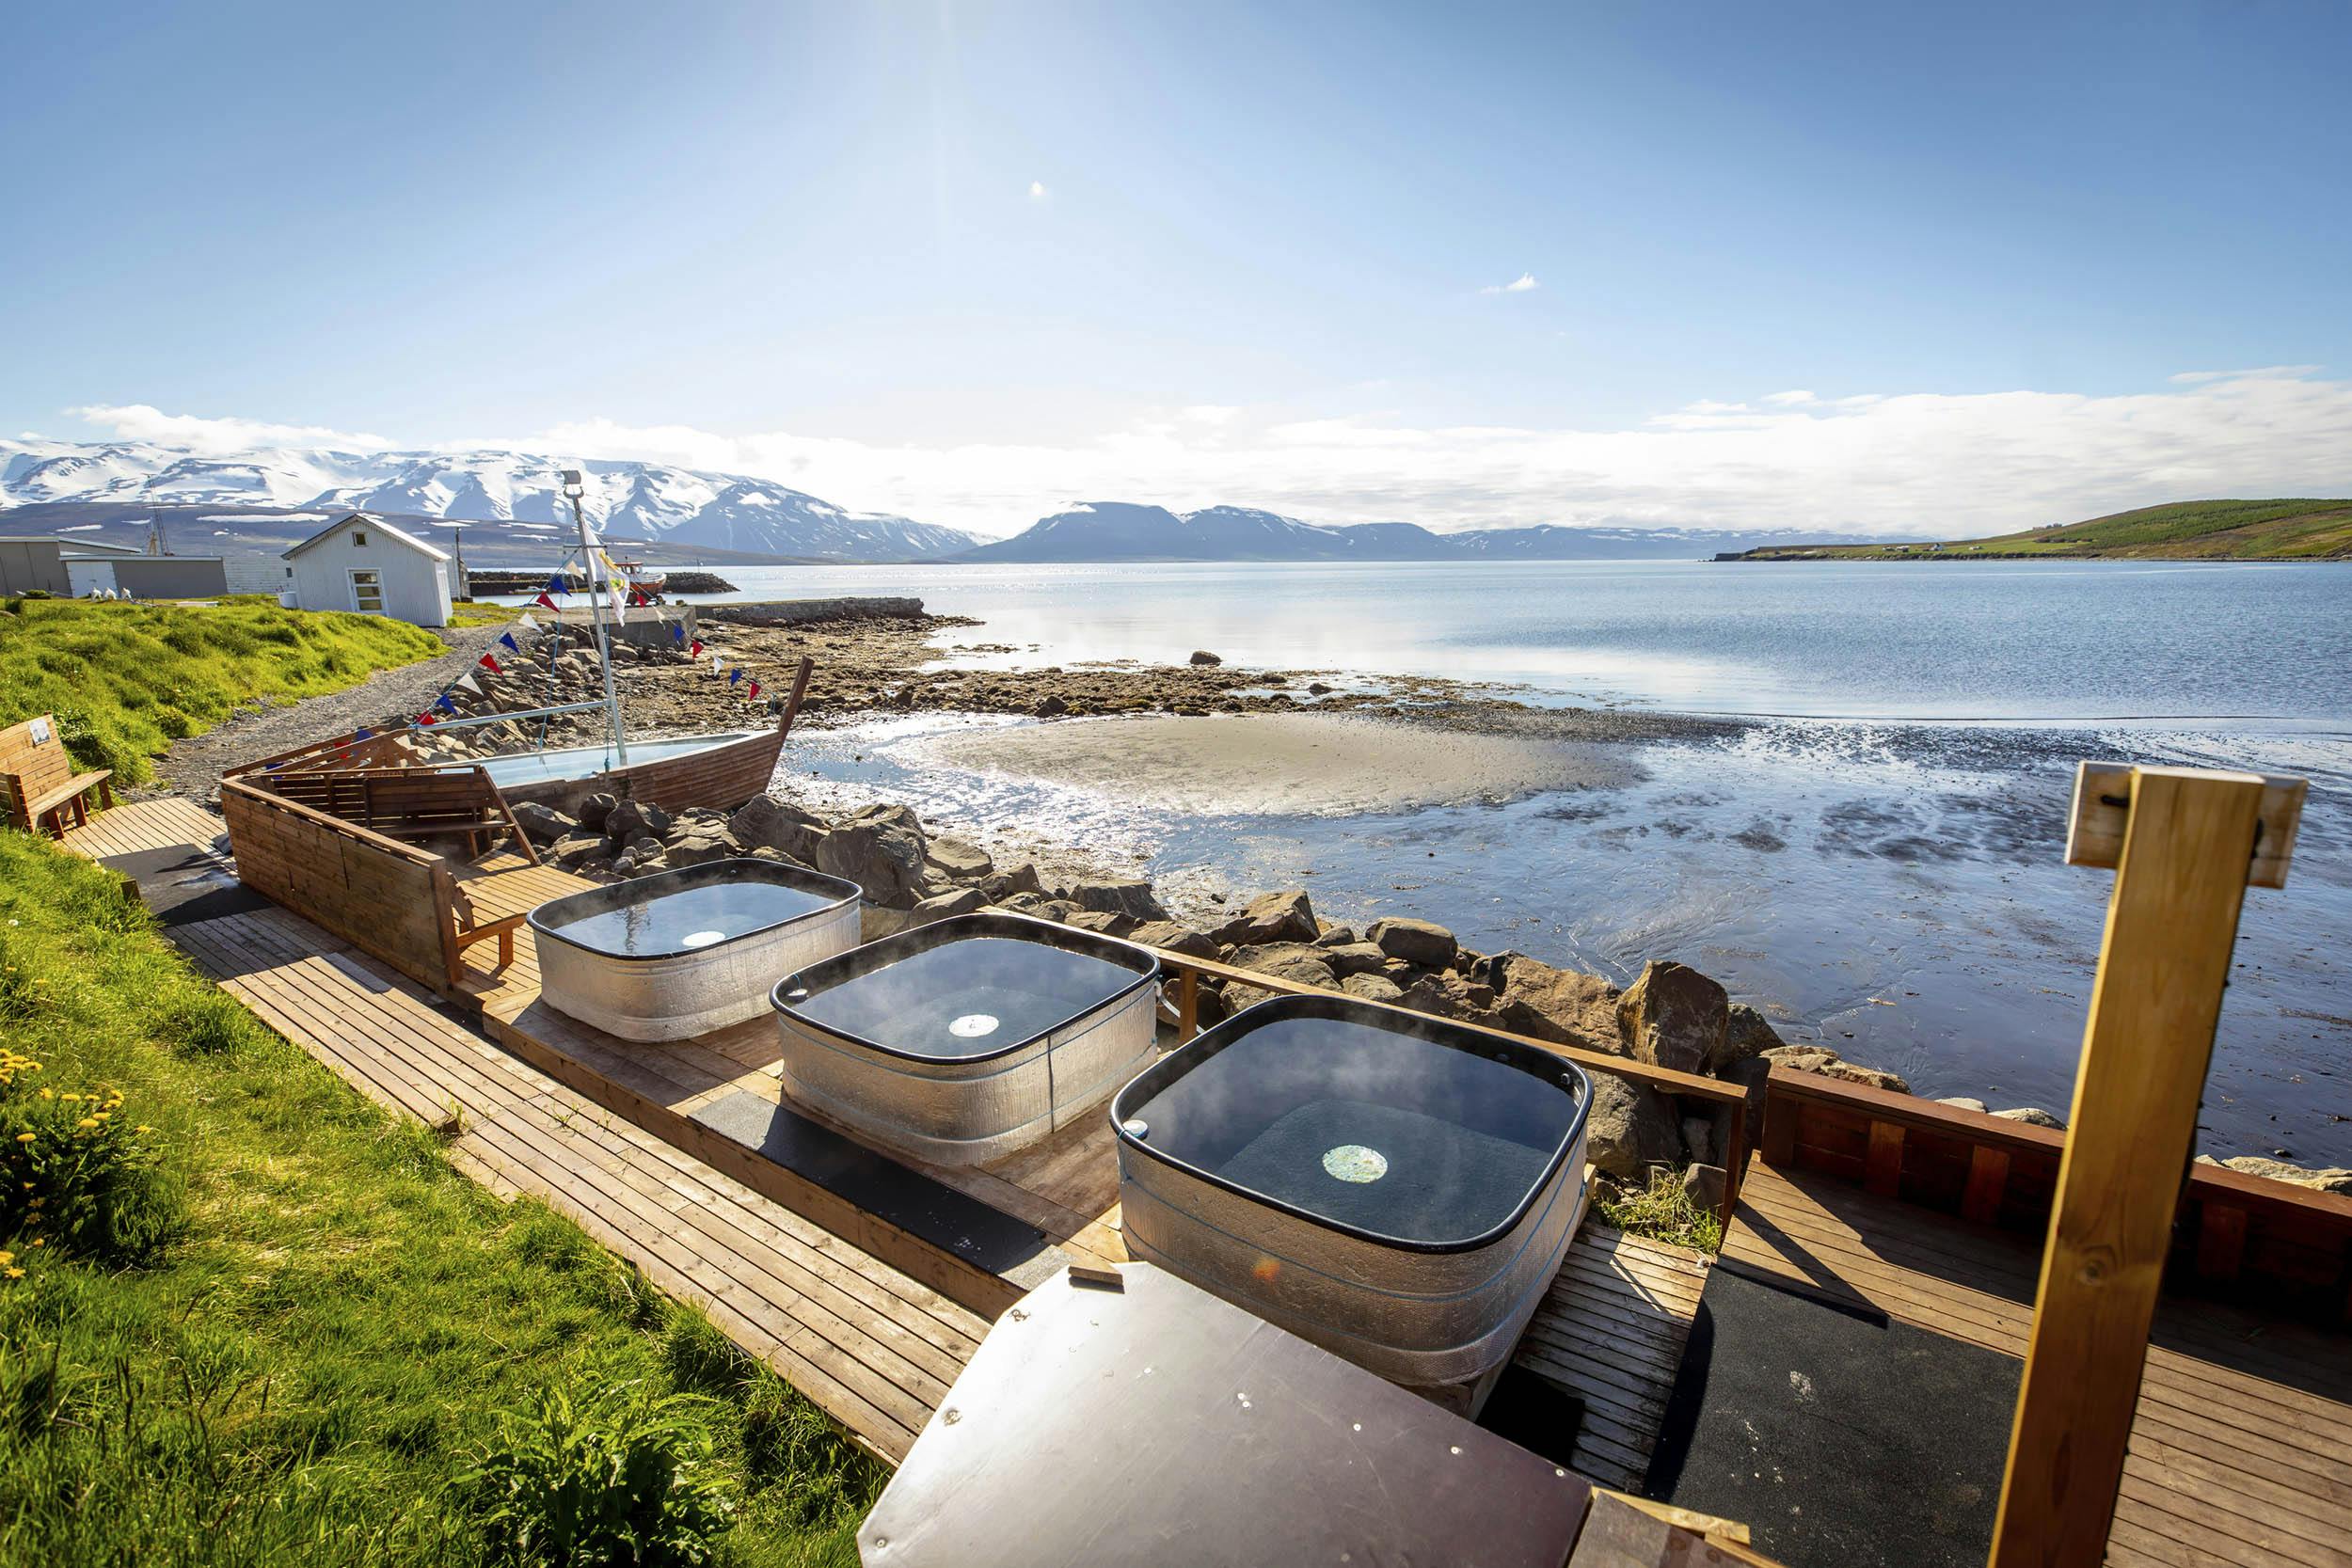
<point x="573" y="491"/>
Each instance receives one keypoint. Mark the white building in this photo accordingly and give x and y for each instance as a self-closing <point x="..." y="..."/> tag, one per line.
<point x="364" y="563"/>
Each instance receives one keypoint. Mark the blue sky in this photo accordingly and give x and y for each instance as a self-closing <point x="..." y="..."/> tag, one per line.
<point x="973" y="261"/>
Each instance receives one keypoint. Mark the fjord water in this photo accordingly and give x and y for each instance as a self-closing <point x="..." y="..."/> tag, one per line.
<point x="1874" y="857"/>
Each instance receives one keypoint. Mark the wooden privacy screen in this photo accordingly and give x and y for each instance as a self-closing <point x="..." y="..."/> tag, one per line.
<point x="2285" y="1248"/>
<point x="386" y="898"/>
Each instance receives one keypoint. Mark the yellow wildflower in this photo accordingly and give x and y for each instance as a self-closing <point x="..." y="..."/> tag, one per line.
<point x="39" y="1241"/>
<point x="48" y="1094"/>
<point x="25" y="1137"/>
<point x="86" y="1121"/>
<point x="16" y="1274"/>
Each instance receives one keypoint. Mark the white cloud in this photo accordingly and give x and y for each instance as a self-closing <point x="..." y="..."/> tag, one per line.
<point x="1789" y="399"/>
<point x="1037" y="191"/>
<point x="218" y="437"/>
<point x="1934" y="464"/>
<point x="1524" y="283"/>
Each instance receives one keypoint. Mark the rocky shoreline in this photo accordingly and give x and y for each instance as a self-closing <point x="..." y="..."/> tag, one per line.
<point x="1670" y="1016"/>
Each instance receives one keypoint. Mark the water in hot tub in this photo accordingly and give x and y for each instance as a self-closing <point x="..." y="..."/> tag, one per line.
<point x="967" y="998"/>
<point x="692" y="917"/>
<point x="1367" y="1127"/>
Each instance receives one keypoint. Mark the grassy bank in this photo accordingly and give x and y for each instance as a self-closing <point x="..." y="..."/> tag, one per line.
<point x="2286" y="530"/>
<point x="251" y="1319"/>
<point x="125" y="680"/>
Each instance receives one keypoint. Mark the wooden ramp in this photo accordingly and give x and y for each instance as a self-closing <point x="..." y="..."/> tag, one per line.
<point x="2241" y="1452"/>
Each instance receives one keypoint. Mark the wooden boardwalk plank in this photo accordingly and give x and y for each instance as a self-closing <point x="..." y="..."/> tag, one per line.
<point x="2241" y="1450"/>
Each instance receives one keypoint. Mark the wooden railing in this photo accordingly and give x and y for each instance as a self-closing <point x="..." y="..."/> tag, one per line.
<point x="384" y="749"/>
<point x="1713" y="1093"/>
<point x="386" y="898"/>
<point x="2288" y="1247"/>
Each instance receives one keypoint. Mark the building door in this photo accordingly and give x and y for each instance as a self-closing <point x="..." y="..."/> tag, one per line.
<point x="367" y="590"/>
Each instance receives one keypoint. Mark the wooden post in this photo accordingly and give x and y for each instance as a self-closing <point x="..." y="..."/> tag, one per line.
<point x="2186" y="848"/>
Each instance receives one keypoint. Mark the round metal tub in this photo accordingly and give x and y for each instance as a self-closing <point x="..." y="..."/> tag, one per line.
<point x="1399" y="1189"/>
<point x="964" y="1039"/>
<point x="681" y="953"/>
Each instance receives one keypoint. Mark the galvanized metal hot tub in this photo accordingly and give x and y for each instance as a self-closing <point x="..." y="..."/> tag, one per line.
<point x="684" y="952"/>
<point x="963" y="1040"/>
<point x="1399" y="1189"/>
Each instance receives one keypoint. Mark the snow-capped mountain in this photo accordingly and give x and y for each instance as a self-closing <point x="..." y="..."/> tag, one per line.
<point x="624" y="499"/>
<point x="1122" y="531"/>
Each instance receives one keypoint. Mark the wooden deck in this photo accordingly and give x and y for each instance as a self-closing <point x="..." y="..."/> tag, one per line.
<point x="603" y="1132"/>
<point x="2241" y="1452"/>
<point x="170" y="822"/>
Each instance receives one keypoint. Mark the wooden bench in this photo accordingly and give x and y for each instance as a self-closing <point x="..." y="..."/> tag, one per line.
<point x="41" y="790"/>
<point x="415" y="805"/>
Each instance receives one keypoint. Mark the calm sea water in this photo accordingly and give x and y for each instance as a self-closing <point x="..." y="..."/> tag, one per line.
<point x="1877" y="860"/>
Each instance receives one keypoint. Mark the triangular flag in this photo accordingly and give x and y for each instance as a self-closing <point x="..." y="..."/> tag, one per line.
<point x="735" y="675"/>
<point x="363" y="733"/>
<point x="528" y="624"/>
<point x="544" y="602"/>
<point x="696" y="651"/>
<point x="512" y="646"/>
<point x="425" y="719"/>
<point x="718" y="665"/>
<point x="488" y="663"/>
<point x="677" y="631"/>
<point x="272" y="766"/>
<point x="443" y="702"/>
<point x="467" y="681"/>
<point x="557" y="585"/>
<point x="754" y="692"/>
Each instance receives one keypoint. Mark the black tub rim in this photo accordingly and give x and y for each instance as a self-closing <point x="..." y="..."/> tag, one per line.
<point x="862" y="960"/>
<point x="800" y="878"/>
<point x="1436" y="1031"/>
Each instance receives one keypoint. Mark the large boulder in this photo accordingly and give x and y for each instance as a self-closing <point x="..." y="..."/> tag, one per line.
<point x="1820" y="1059"/>
<point x="1373" y="987"/>
<point x="1270" y="917"/>
<point x="542" y="822"/>
<point x="1288" y="960"/>
<point x="965" y="900"/>
<point x="1416" y="942"/>
<point x="1562" y="1006"/>
<point x="1202" y="657"/>
<point x="958" y="860"/>
<point x="594" y="809"/>
<point x="1353" y="958"/>
<point x="2032" y="1115"/>
<point x="1746" y="1033"/>
<point x="1109" y="922"/>
<point x="780" y="825"/>
<point x="1169" y="936"/>
<point x="1674" y="1017"/>
<point x="882" y="858"/>
<point x="1451" y="996"/>
<point x="1631" y="1128"/>
<point x="569" y="854"/>
<point x="630" y="819"/>
<point x="697" y="849"/>
<point x="1001" y="885"/>
<point x="1130" y="896"/>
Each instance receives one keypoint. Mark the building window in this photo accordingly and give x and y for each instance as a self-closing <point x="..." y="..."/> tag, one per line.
<point x="358" y="540"/>
<point x="367" y="592"/>
<point x="290" y="571"/>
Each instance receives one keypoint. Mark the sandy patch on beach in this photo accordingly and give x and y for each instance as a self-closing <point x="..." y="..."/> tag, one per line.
<point x="1280" y="764"/>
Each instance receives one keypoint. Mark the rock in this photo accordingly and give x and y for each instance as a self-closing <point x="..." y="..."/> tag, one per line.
<point x="1562" y="1006"/>
<point x="1698" y="1136"/>
<point x="1285" y="916"/>
<point x="595" y="808"/>
<point x="1964" y="1103"/>
<point x="1288" y="960"/>
<point x="966" y="900"/>
<point x="629" y="819"/>
<point x="1746" y="1034"/>
<point x="569" y="853"/>
<point x="882" y="858"/>
<point x="2032" y="1115"/>
<point x="1674" y="1017"/>
<point x="1001" y="885"/>
<point x="1050" y="708"/>
<point x="623" y="863"/>
<point x="644" y="846"/>
<point x="1373" y="987"/>
<point x="1417" y="942"/>
<point x="1212" y="1007"/>
<point x="780" y="825"/>
<point x="543" y="823"/>
<point x="699" y="848"/>
<point x="1808" y="1058"/>
<point x="1631" y="1129"/>
<point x="890" y="812"/>
<point x="1703" y="1185"/>
<point x="1166" y="934"/>
<point x="2331" y="1179"/>
<point x="1110" y="923"/>
<point x="1202" y="656"/>
<point x="1335" y="936"/>
<point x="961" y="860"/>
<point x="1132" y="897"/>
<point x="651" y="865"/>
<point x="1238" y="996"/>
<point x="774" y="856"/>
<point x="1354" y="958"/>
<point x="1450" y="996"/>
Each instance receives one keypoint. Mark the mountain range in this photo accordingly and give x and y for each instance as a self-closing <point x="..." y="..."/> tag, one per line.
<point x="651" y="501"/>
<point x="1123" y="530"/>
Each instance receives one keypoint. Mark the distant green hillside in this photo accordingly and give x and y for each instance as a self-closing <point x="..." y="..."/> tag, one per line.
<point x="2185" y="530"/>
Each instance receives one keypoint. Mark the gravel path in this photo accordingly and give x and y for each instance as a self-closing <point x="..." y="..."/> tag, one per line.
<point x="194" y="765"/>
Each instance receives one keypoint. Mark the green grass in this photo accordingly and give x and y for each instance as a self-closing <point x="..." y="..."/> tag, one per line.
<point x="125" y="680"/>
<point x="466" y="613"/>
<point x="311" y="1367"/>
<point x="1662" y="1212"/>
<point x="2280" y="530"/>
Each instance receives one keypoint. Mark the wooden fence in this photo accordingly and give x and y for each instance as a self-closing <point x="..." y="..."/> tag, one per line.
<point x="2283" y="1248"/>
<point x="390" y="900"/>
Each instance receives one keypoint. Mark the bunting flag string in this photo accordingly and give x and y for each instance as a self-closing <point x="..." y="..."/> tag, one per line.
<point x="507" y="637"/>
<point x="468" y="681"/>
<point x="489" y="663"/>
<point x="526" y="622"/>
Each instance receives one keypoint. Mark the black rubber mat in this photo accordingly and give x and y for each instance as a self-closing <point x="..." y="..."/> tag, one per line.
<point x="1839" y="1438"/>
<point x="181" y="886"/>
<point x="951" y="1221"/>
